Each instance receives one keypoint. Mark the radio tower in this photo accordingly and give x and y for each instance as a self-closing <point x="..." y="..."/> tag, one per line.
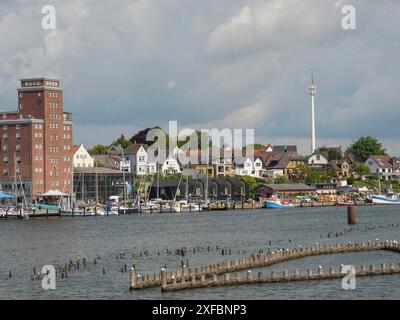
<point x="312" y="89"/>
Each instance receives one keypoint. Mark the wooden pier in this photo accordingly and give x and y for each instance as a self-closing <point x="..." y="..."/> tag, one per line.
<point x="185" y="278"/>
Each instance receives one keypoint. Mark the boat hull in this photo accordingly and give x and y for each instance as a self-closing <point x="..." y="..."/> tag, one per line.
<point x="277" y="205"/>
<point x="384" y="200"/>
<point x="344" y="204"/>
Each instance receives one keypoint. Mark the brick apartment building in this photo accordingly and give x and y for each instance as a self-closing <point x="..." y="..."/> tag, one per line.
<point x="36" y="141"/>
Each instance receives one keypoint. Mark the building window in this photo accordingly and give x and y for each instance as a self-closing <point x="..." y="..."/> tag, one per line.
<point x="5" y="159"/>
<point x="18" y="126"/>
<point x="18" y="135"/>
<point x="5" y="135"/>
<point x="17" y="147"/>
<point x="5" y="127"/>
<point x="5" y="172"/>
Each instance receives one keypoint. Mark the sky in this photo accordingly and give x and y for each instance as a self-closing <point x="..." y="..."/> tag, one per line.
<point x="127" y="65"/>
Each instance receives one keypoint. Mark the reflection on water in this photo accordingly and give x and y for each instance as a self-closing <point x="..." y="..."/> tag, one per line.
<point x="126" y="239"/>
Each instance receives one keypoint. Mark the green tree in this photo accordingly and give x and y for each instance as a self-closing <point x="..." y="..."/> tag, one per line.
<point x="362" y="170"/>
<point x="121" y="141"/>
<point x="281" y="179"/>
<point x="333" y="153"/>
<point x="98" y="164"/>
<point x="252" y="182"/>
<point x="364" y="147"/>
<point x="98" y="149"/>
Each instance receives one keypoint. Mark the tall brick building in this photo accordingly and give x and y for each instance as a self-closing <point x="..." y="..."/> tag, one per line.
<point x="36" y="141"/>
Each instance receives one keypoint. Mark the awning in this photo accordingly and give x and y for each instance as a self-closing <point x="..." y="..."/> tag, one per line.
<point x="53" y="193"/>
<point x="4" y="195"/>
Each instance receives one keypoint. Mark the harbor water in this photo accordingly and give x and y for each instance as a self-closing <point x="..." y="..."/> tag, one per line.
<point x="150" y="242"/>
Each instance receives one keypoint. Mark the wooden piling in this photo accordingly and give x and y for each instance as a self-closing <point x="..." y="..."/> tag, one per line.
<point x="351" y="214"/>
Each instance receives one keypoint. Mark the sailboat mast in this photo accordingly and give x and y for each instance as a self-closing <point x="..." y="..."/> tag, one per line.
<point x="123" y="174"/>
<point x="83" y="182"/>
<point x="158" y="178"/>
<point x="97" y="182"/>
<point x="187" y="176"/>
<point x="15" y="179"/>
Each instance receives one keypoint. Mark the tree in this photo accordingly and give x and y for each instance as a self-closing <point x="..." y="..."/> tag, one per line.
<point x="362" y="170"/>
<point x="252" y="183"/>
<point x="365" y="147"/>
<point x="333" y="153"/>
<point x="121" y="141"/>
<point x="98" y="164"/>
<point x="281" y="179"/>
<point x="98" y="149"/>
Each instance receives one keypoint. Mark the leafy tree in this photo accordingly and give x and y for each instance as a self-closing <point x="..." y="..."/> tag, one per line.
<point x="252" y="182"/>
<point x="301" y="172"/>
<point x="121" y="141"/>
<point x="333" y="153"/>
<point x="281" y="179"/>
<point x="362" y="170"/>
<point x="98" y="149"/>
<point x="366" y="146"/>
<point x="350" y="180"/>
<point x="98" y="164"/>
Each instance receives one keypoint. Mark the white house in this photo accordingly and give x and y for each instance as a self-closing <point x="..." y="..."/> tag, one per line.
<point x="382" y="166"/>
<point x="273" y="173"/>
<point x="251" y="168"/>
<point x="170" y="166"/>
<point x="318" y="159"/>
<point x="139" y="160"/>
<point x="81" y="158"/>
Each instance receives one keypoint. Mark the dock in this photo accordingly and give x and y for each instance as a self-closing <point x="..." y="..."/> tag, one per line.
<point x="186" y="278"/>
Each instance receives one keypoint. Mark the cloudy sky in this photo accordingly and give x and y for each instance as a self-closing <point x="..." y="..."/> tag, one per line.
<point x="126" y="65"/>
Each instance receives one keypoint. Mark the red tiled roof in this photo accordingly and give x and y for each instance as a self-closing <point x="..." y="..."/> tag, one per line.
<point x="74" y="149"/>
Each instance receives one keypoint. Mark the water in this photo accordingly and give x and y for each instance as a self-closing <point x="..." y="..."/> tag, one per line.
<point x="34" y="243"/>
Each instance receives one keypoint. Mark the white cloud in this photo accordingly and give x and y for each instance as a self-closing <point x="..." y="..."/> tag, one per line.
<point x="273" y="25"/>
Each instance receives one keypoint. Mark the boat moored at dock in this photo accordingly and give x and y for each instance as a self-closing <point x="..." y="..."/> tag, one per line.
<point x="388" y="199"/>
<point x="278" y="204"/>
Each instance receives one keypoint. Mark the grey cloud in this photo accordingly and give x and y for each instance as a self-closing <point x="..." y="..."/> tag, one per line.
<point x="116" y="58"/>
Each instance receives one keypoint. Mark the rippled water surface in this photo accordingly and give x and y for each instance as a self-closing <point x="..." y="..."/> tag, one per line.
<point x="34" y="243"/>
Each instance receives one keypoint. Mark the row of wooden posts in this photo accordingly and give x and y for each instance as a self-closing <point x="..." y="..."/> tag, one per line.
<point x="185" y="274"/>
<point x="261" y="278"/>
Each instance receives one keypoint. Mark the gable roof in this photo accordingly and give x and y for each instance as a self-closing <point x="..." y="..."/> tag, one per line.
<point x="382" y="161"/>
<point x="282" y="159"/>
<point x="134" y="148"/>
<point x="74" y="149"/>
<point x="109" y="161"/>
<point x="321" y="153"/>
<point x="284" y="149"/>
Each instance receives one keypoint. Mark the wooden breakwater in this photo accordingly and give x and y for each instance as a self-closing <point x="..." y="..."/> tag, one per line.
<point x="274" y="277"/>
<point x="185" y="274"/>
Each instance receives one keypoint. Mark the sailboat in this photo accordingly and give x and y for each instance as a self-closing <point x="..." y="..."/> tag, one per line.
<point x="16" y="212"/>
<point x="389" y="198"/>
<point x="80" y="211"/>
<point x="184" y="205"/>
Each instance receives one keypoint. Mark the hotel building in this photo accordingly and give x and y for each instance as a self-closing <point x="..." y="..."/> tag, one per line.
<point x="36" y="141"/>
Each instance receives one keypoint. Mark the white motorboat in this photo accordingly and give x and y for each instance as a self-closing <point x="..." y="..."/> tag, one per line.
<point x="186" y="206"/>
<point x="13" y="213"/>
<point x="388" y="199"/>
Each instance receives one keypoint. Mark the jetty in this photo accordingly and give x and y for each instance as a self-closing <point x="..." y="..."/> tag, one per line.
<point x="187" y="278"/>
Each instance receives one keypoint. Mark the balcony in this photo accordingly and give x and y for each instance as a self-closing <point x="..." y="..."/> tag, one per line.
<point x="67" y="116"/>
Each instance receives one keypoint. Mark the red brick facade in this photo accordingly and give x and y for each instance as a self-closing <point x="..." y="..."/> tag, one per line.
<point x="36" y="140"/>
